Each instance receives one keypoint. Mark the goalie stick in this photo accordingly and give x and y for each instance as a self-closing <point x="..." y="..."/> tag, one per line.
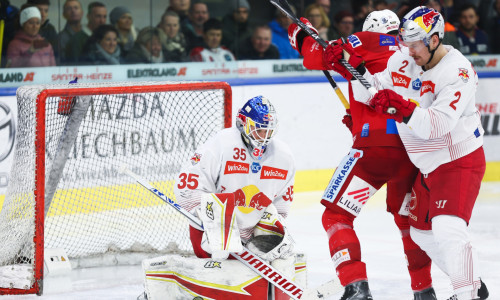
<point x="250" y="259"/>
<point x="285" y="8"/>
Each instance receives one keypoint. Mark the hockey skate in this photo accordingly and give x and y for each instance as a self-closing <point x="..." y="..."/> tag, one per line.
<point x="482" y="293"/>
<point x="358" y="290"/>
<point x="427" y="294"/>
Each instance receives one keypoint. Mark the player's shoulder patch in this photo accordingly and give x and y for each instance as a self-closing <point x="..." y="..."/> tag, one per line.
<point x="354" y="40"/>
<point x="463" y="74"/>
<point x="387" y="40"/>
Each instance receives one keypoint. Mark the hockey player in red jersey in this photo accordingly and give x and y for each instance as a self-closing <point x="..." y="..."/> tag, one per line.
<point x="441" y="129"/>
<point x="376" y="158"/>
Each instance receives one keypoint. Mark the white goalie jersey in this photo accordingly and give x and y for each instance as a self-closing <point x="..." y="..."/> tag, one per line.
<point x="223" y="165"/>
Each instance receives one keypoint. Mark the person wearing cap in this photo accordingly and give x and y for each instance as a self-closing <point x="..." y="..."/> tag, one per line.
<point x="235" y="25"/>
<point x="121" y="18"/>
<point x="29" y="48"/>
<point x="47" y="30"/>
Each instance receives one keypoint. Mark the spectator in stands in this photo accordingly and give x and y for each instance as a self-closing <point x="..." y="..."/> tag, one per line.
<point x="318" y="18"/>
<point x="102" y="47"/>
<point x="73" y="13"/>
<point x="325" y="4"/>
<point x="343" y="26"/>
<point x="450" y="36"/>
<point x="171" y="38"/>
<point x="121" y="18"/>
<point x="11" y="23"/>
<point x="147" y="48"/>
<point x="212" y="50"/>
<point x="235" y="25"/>
<point x="181" y="8"/>
<point x="360" y="10"/>
<point x="471" y="39"/>
<point x="29" y="48"/>
<point x="192" y="27"/>
<point x="96" y="17"/>
<point x="279" y="27"/>
<point x="47" y="30"/>
<point x="382" y="4"/>
<point x="493" y="27"/>
<point x="259" y="46"/>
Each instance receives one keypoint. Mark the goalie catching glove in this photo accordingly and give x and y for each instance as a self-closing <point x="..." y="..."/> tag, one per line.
<point x="271" y="239"/>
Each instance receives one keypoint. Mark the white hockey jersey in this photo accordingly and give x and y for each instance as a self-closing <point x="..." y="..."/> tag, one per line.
<point x="223" y="165"/>
<point x="447" y="125"/>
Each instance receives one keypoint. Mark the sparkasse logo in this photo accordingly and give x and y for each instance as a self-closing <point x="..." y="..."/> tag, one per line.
<point x="273" y="173"/>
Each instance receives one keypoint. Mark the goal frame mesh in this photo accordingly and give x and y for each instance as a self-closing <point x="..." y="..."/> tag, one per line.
<point x="40" y="147"/>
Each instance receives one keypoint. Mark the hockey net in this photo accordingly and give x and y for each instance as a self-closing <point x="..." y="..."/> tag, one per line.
<point x="66" y="190"/>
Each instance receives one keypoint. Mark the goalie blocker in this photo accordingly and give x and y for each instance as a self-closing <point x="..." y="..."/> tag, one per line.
<point x="190" y="277"/>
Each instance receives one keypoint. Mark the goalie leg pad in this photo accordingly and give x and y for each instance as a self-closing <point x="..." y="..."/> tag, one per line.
<point x="189" y="277"/>
<point x="221" y="235"/>
<point x="345" y="249"/>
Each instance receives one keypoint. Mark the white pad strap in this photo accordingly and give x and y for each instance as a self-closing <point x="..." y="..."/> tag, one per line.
<point x="221" y="235"/>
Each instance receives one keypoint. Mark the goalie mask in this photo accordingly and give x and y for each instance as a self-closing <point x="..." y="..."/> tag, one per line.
<point x="257" y="122"/>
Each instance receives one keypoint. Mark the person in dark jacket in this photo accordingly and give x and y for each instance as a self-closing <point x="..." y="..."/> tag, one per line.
<point x="147" y="48"/>
<point x="171" y="38"/>
<point x="102" y="47"/>
<point x="259" y="45"/>
<point x="235" y="25"/>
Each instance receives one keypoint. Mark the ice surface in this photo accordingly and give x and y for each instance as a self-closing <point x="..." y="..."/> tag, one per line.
<point x="381" y="249"/>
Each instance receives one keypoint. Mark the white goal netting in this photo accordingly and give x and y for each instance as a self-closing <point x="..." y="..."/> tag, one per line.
<point x="72" y="161"/>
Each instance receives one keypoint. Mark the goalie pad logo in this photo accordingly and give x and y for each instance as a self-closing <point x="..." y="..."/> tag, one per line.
<point x="213" y="264"/>
<point x="209" y="210"/>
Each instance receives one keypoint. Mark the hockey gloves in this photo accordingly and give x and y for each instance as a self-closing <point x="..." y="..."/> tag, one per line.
<point x="347" y="120"/>
<point x="296" y="35"/>
<point x="271" y="239"/>
<point x="390" y="103"/>
<point x="339" y="50"/>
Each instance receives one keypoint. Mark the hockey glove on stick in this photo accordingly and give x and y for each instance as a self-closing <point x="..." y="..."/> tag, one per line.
<point x="296" y="35"/>
<point x="390" y="103"/>
<point x="347" y="120"/>
<point x="338" y="50"/>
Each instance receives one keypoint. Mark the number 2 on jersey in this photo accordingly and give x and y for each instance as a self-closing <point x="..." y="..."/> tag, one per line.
<point x="452" y="104"/>
<point x="188" y="180"/>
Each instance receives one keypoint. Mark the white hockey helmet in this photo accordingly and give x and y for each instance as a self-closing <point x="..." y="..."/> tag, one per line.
<point x="381" y="21"/>
<point x="420" y="24"/>
<point x="258" y="122"/>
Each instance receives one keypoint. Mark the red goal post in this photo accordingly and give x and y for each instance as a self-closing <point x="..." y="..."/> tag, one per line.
<point x="65" y="190"/>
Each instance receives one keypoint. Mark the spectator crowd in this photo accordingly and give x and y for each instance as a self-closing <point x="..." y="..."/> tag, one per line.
<point x="187" y="32"/>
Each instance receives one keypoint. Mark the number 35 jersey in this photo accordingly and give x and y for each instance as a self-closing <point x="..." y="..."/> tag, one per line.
<point x="223" y="165"/>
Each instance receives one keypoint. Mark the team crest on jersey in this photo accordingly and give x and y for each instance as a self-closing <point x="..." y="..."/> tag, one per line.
<point x="354" y="40"/>
<point x="427" y="86"/>
<point x="234" y="167"/>
<point x="255" y="167"/>
<point x="416" y="84"/>
<point x="463" y="74"/>
<point x="400" y="80"/>
<point x="273" y="173"/>
<point x="195" y="159"/>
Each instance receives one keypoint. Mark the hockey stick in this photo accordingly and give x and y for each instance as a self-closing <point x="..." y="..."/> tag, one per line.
<point x="285" y="8"/>
<point x="250" y="259"/>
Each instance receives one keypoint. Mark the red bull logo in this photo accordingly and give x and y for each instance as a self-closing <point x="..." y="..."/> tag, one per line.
<point x="427" y="20"/>
<point x="195" y="159"/>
